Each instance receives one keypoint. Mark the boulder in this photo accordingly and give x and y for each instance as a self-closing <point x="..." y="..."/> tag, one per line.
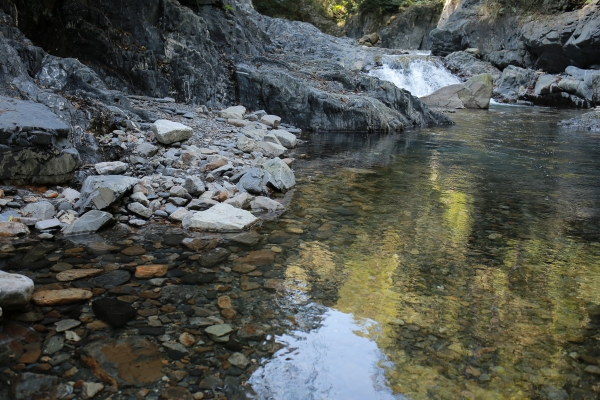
<point x="15" y="291"/>
<point x="222" y="218"/>
<point x="168" y="132"/>
<point x="254" y="181"/>
<point x="467" y="65"/>
<point x="285" y="138"/>
<point x="90" y="222"/>
<point x="271" y="120"/>
<point x="31" y="148"/>
<point x="10" y="229"/>
<point x="279" y="174"/>
<point x="270" y="150"/>
<point x="241" y="200"/>
<point x="475" y="93"/>
<point x="194" y="185"/>
<point x="139" y="210"/>
<point x="40" y="210"/>
<point x="99" y="192"/>
<point x="236" y="112"/>
<point x="246" y="144"/>
<point x="515" y="82"/>
<point x="110" y="168"/>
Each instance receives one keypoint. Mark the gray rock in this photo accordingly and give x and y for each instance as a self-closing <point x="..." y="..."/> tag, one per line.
<point x="286" y="138"/>
<point x="238" y="360"/>
<point x="194" y="185"/>
<point x="222" y="218"/>
<point x="280" y="175"/>
<point x="177" y="191"/>
<point x="236" y="112"/>
<point x="241" y="200"/>
<point x="28" y="386"/>
<point x="54" y="344"/>
<point x="140" y="198"/>
<point x="47" y="224"/>
<point x="70" y="195"/>
<point x="99" y="192"/>
<point x="586" y="122"/>
<point x="246" y="144"/>
<point x="111" y="279"/>
<point x="179" y="214"/>
<point x="270" y="138"/>
<point x="475" y="93"/>
<point x="271" y="150"/>
<point x="254" y="181"/>
<point x="467" y="65"/>
<point x="10" y="229"/>
<point x="66" y="324"/>
<point x="515" y="82"/>
<point x="111" y="168"/>
<point x="40" y="210"/>
<point x="201" y="204"/>
<point x="168" y="132"/>
<point x="146" y="149"/>
<point x="15" y="291"/>
<point x="219" y="333"/>
<point x="90" y="222"/>
<point x="139" y="210"/>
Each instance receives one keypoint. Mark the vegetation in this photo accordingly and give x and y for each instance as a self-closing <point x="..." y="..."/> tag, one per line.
<point x="387" y="6"/>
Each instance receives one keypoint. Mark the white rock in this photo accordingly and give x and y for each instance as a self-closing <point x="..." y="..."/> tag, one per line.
<point x="271" y="120"/>
<point x="286" y="138"/>
<point x="110" y="168"/>
<point x="40" y="210"/>
<point x="241" y="200"/>
<point x="90" y="389"/>
<point x="72" y="336"/>
<point x="47" y="224"/>
<point x="139" y="210"/>
<point x="168" y="132"/>
<point x="140" y="198"/>
<point x="15" y="290"/>
<point x="222" y="218"/>
<point x="236" y="112"/>
<point x="179" y="214"/>
<point x="265" y="203"/>
<point x="71" y="195"/>
<point x="245" y="144"/>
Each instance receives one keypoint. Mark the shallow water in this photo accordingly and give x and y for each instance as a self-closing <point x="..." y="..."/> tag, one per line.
<point x="458" y="262"/>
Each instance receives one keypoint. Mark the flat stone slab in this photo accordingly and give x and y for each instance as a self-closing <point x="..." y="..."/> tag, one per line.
<point x="74" y="274"/>
<point x="90" y="222"/>
<point x="59" y="297"/>
<point x="222" y="218"/>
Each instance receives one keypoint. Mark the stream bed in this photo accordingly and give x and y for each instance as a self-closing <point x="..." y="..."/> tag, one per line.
<point x="458" y="262"/>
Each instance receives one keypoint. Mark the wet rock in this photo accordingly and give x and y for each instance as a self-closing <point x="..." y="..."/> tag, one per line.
<point x="266" y="204"/>
<point x="132" y="361"/>
<point x="586" y="122"/>
<point x="10" y="229"/>
<point x="214" y="256"/>
<point x="59" y="297"/>
<point x="221" y="218"/>
<point x="90" y="222"/>
<point x="111" y="168"/>
<point x="186" y="339"/>
<point x="176" y="393"/>
<point x="66" y="324"/>
<point x="210" y="382"/>
<point x="280" y="175"/>
<point x="99" y="192"/>
<point x="40" y="210"/>
<point x="111" y="279"/>
<point x="54" y="344"/>
<point x="178" y="294"/>
<point x="239" y="360"/>
<point x="28" y="386"/>
<point x="236" y="112"/>
<point x="74" y="274"/>
<point x="475" y="93"/>
<point x="15" y="291"/>
<point x="114" y="312"/>
<point x="134" y="251"/>
<point x="151" y="271"/>
<point x="168" y="132"/>
<point x="91" y="389"/>
<point x="219" y="333"/>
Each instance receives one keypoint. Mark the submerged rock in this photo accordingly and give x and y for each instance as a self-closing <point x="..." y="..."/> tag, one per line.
<point x="280" y="175"/>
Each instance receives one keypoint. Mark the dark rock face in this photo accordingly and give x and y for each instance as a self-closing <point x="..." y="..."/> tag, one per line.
<point x="467" y="65"/>
<point x="193" y="53"/>
<point x="407" y="30"/>
<point x="551" y="43"/>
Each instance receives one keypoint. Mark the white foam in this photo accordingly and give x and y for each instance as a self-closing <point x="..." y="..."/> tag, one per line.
<point x="419" y="73"/>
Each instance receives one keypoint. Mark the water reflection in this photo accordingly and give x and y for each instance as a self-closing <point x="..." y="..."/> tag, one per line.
<point x="336" y="361"/>
<point x="473" y="247"/>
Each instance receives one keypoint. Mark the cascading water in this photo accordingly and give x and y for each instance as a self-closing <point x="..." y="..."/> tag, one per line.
<point x="419" y="73"/>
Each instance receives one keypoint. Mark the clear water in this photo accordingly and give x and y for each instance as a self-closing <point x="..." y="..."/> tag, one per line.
<point x="419" y="73"/>
<point x="455" y="263"/>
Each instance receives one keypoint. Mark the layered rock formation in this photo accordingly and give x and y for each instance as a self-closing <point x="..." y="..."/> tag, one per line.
<point x="551" y="43"/>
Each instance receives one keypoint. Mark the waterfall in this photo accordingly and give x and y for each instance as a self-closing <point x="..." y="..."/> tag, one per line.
<point x="418" y="72"/>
